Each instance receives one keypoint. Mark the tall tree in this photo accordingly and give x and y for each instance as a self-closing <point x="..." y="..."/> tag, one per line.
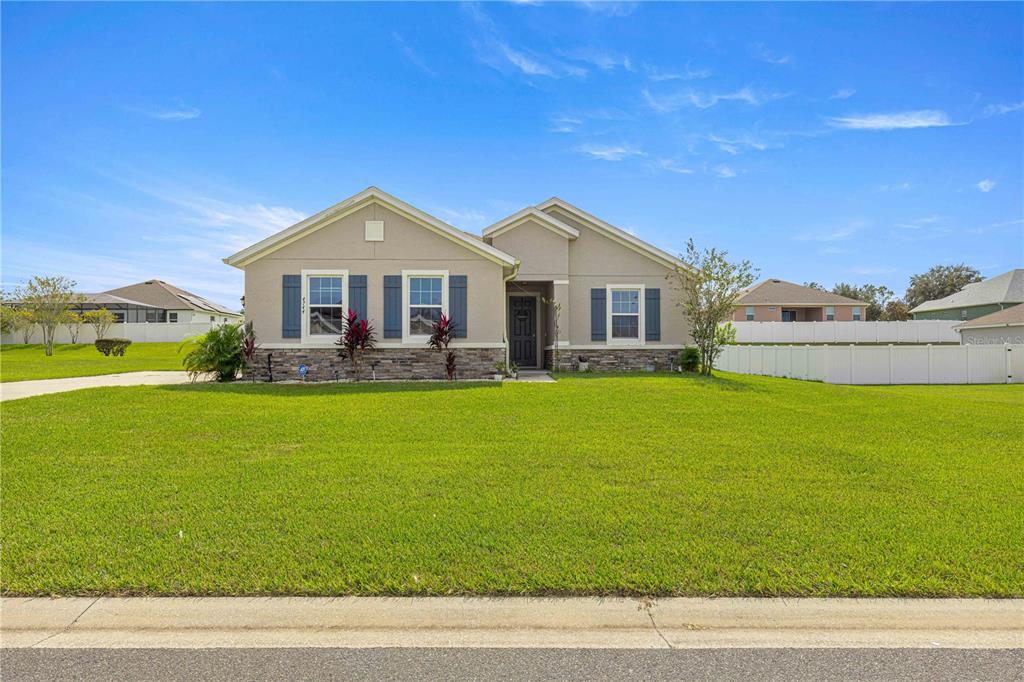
<point x="895" y="311"/>
<point x="875" y="296"/>
<point x="707" y="290"/>
<point x="939" y="282"/>
<point x="49" y="299"/>
<point x="100" y="319"/>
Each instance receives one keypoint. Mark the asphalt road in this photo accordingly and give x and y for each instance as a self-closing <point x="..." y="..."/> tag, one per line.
<point x="746" y="665"/>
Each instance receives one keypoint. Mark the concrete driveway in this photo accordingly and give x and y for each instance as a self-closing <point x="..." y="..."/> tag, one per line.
<point x="26" y="389"/>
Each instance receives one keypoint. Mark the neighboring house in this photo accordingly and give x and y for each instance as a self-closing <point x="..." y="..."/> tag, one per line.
<point x="148" y="311"/>
<point x="775" y="300"/>
<point x="157" y="301"/>
<point x="402" y="269"/>
<point x="975" y="300"/>
<point x="1004" y="326"/>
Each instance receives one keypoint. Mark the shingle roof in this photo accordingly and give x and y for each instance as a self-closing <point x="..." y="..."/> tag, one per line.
<point x="160" y="294"/>
<point x="1005" y="288"/>
<point x="1012" y="316"/>
<point x="780" y="292"/>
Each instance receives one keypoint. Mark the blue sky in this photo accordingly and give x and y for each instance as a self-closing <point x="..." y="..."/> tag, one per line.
<point x="853" y="142"/>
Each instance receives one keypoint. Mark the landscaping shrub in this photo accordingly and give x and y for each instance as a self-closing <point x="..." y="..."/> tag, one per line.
<point x="357" y="336"/>
<point x="444" y="332"/>
<point x="689" y="359"/>
<point x="218" y="352"/>
<point x="115" y="346"/>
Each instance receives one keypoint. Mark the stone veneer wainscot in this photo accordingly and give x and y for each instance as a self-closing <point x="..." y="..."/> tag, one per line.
<point x="391" y="363"/>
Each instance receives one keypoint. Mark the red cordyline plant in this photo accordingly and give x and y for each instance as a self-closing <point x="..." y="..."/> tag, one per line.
<point x="444" y="332"/>
<point x="356" y="336"/>
<point x="249" y="349"/>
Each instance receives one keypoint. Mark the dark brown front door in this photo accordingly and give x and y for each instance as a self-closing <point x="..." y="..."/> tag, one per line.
<point x="522" y="325"/>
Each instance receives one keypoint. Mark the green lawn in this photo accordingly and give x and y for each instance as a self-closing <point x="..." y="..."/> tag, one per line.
<point x="649" y="484"/>
<point x="19" y="363"/>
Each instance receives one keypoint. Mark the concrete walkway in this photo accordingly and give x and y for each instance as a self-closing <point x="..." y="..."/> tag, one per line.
<point x="13" y="390"/>
<point x="579" y="623"/>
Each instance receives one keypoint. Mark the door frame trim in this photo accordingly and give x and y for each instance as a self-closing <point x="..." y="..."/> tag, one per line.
<point x="536" y="326"/>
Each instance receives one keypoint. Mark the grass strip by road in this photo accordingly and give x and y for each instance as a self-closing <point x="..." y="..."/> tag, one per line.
<point x="644" y="484"/>
<point x="23" y="363"/>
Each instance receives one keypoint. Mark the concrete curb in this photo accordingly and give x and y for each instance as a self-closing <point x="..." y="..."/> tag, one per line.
<point x="361" y="622"/>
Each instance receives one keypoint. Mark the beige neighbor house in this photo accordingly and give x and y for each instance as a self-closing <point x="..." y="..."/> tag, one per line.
<point x="775" y="300"/>
<point x="1004" y="326"/>
<point x="402" y="269"/>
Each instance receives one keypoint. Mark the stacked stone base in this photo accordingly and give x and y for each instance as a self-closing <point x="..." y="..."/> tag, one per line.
<point x="381" y="363"/>
<point x="614" y="359"/>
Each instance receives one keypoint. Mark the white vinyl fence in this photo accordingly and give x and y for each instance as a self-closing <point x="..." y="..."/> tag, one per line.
<point x="912" y="331"/>
<point x="139" y="332"/>
<point x="890" y="364"/>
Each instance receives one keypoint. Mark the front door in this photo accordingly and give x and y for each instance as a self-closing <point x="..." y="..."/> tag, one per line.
<point x="522" y="325"/>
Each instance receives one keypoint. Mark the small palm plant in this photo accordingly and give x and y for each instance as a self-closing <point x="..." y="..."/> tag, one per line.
<point x="440" y="337"/>
<point x="249" y="350"/>
<point x="357" y="336"/>
<point x="218" y="352"/>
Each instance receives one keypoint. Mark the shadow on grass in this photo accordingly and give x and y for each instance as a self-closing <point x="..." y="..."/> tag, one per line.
<point x="718" y="381"/>
<point x="298" y="390"/>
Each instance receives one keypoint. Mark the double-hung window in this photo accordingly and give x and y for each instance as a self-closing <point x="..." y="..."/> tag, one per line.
<point x="625" y="313"/>
<point x="830" y="313"/>
<point x="750" y="313"/>
<point x="856" y="313"/>
<point x="323" y="310"/>
<point x="426" y="299"/>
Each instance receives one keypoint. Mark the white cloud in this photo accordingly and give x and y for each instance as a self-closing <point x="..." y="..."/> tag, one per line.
<point x="831" y="234"/>
<point x="414" y="57"/>
<point x="689" y="73"/>
<point x="608" y="9"/>
<point x="1000" y="109"/>
<point x="606" y="61"/>
<point x="674" y="167"/>
<point x="677" y="100"/>
<point x="179" y="113"/>
<point x="843" y="93"/>
<point x="765" y="55"/>
<point x="565" y="124"/>
<point x="896" y="187"/>
<point x="734" y="145"/>
<point x="493" y="51"/>
<point x="724" y="171"/>
<point x="926" y="118"/>
<point x="986" y="185"/>
<point x="609" y="152"/>
<point x="921" y="223"/>
<point x="462" y="217"/>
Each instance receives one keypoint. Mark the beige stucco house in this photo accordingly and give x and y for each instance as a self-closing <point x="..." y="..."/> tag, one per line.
<point x="402" y="268"/>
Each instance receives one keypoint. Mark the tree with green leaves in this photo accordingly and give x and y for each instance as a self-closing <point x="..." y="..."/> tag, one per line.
<point x="875" y="296"/>
<point x="939" y="282"/>
<point x="100" y="320"/>
<point x="707" y="288"/>
<point x="73" y="321"/>
<point x="48" y="299"/>
<point x="23" y="322"/>
<point x="895" y="311"/>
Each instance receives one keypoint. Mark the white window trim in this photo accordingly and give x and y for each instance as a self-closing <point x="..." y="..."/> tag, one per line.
<point x="406" y="274"/>
<point x="828" y="314"/>
<point x="640" y="340"/>
<point x="857" y="313"/>
<point x="326" y="339"/>
<point x="749" y="313"/>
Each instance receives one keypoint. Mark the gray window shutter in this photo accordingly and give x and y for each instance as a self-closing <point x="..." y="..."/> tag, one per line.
<point x="291" y="306"/>
<point x="652" y="314"/>
<point x="598" y="315"/>
<point x="392" y="306"/>
<point x="458" y="304"/>
<point x="357" y="295"/>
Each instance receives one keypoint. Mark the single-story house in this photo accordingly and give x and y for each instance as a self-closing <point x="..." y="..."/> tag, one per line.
<point x="401" y="269"/>
<point x="775" y="300"/>
<point x="147" y="311"/>
<point x="1004" y="326"/>
<point x="975" y="300"/>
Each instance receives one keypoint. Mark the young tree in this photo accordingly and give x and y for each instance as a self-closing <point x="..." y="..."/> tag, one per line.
<point x="939" y="282"/>
<point x="895" y="311"/>
<point x="73" y="321"/>
<point x="24" y="323"/>
<point x="556" y="315"/>
<point x="49" y="299"/>
<point x="100" y="320"/>
<point x="707" y="289"/>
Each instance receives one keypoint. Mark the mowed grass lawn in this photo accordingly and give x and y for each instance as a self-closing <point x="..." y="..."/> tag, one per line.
<point x="21" y="363"/>
<point x="652" y="485"/>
